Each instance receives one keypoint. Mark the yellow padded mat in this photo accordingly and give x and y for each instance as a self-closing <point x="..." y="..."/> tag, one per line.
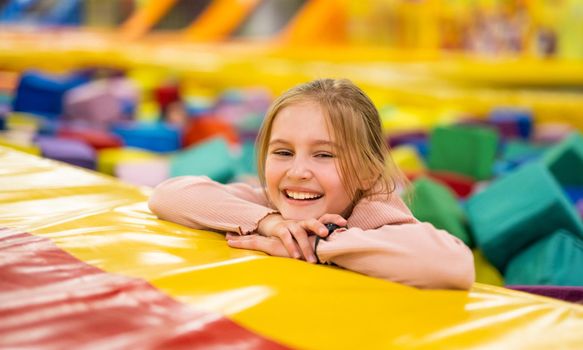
<point x="106" y="223"/>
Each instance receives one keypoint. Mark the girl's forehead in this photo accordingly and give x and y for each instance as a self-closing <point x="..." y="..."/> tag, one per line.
<point x="299" y="114"/>
<point x="301" y="121"/>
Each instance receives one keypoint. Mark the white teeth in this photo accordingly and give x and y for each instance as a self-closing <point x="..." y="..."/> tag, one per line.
<point x="302" y="195"/>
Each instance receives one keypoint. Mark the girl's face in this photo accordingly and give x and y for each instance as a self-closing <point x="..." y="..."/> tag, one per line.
<point x="301" y="169"/>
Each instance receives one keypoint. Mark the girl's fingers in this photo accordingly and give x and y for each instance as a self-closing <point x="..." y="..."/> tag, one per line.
<point x="315" y="226"/>
<point x="288" y="242"/>
<point x="249" y="242"/>
<point x="231" y="235"/>
<point x="333" y="219"/>
<point x="269" y="245"/>
<point x="301" y="237"/>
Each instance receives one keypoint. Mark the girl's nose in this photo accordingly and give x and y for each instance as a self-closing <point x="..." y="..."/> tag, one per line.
<point x="299" y="170"/>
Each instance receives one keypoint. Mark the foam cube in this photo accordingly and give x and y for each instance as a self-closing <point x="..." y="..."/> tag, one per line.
<point x="516" y="153"/>
<point x="22" y="143"/>
<point x="416" y="139"/>
<point x="109" y="158"/>
<point x="23" y="121"/>
<point x="95" y="138"/>
<point x="147" y="173"/>
<point x="247" y="159"/>
<point x="512" y="122"/>
<point x="574" y="193"/>
<point x="565" y="293"/>
<point x="461" y="185"/>
<point x="485" y="272"/>
<point x="552" y="132"/>
<point x="42" y="94"/>
<point x="521" y="151"/>
<point x="205" y="127"/>
<point x="167" y="94"/>
<point x="408" y="159"/>
<point x="467" y="150"/>
<point x="518" y="209"/>
<point x="435" y="203"/>
<point x="69" y="151"/>
<point x="4" y="111"/>
<point x="554" y="260"/>
<point x="211" y="158"/>
<point x="565" y="160"/>
<point x="95" y="104"/>
<point x="157" y="137"/>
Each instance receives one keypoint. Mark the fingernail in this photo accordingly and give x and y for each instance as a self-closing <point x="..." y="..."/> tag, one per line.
<point x="323" y="231"/>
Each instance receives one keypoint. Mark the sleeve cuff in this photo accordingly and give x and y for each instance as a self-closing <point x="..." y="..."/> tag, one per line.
<point x="251" y="227"/>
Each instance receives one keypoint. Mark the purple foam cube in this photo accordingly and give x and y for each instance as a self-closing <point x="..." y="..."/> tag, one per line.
<point x="74" y="152"/>
<point x="566" y="293"/>
<point x="146" y="173"/>
<point x="99" y="104"/>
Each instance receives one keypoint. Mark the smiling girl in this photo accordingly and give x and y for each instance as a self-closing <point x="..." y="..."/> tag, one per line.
<point x="322" y="159"/>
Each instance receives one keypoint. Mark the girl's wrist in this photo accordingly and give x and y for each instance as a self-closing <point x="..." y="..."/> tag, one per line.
<point x="265" y="225"/>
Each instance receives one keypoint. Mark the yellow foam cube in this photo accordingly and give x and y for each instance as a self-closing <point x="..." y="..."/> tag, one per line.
<point x="408" y="159"/>
<point x="109" y="158"/>
<point x="485" y="272"/>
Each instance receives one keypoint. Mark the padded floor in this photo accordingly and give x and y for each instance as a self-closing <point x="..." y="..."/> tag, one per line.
<point x="106" y="224"/>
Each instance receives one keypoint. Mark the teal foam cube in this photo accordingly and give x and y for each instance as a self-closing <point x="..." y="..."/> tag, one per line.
<point x="211" y="158"/>
<point x="517" y="210"/>
<point x="554" y="260"/>
<point x="521" y="151"/>
<point x="565" y="160"/>
<point x="437" y="204"/>
<point x="247" y="160"/>
<point x="463" y="149"/>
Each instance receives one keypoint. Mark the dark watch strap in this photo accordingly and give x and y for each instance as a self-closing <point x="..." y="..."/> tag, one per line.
<point x="316" y="249"/>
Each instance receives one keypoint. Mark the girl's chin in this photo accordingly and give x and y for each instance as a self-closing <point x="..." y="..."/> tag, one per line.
<point x="299" y="215"/>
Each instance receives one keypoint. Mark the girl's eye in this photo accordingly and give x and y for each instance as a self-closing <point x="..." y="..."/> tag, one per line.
<point x="283" y="153"/>
<point x="325" y="155"/>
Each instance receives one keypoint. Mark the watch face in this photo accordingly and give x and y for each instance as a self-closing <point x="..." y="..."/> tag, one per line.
<point x="331" y="228"/>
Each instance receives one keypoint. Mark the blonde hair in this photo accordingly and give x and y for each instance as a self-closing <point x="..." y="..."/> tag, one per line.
<point x="364" y="160"/>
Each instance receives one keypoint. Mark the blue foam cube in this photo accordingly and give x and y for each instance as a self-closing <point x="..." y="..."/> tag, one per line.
<point x="42" y="94"/>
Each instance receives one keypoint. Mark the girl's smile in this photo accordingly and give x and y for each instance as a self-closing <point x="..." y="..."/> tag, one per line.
<point x="301" y="168"/>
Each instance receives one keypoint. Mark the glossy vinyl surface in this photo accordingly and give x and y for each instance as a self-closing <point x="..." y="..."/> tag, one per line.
<point x="106" y="223"/>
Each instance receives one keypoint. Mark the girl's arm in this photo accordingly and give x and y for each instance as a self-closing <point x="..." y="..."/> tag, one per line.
<point x="200" y="203"/>
<point x="415" y="254"/>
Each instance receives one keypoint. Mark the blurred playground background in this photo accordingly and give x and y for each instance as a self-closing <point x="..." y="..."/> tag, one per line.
<point x="481" y="102"/>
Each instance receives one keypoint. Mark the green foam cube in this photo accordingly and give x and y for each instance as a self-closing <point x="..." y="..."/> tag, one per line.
<point x="554" y="260"/>
<point x="463" y="149"/>
<point x="565" y="160"/>
<point x="211" y="158"/>
<point x="437" y="204"/>
<point x="518" y="209"/>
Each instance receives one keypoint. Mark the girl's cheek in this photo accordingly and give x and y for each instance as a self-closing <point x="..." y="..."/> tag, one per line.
<point x="275" y="168"/>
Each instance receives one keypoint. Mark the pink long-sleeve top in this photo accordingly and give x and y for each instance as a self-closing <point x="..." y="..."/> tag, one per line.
<point x="383" y="238"/>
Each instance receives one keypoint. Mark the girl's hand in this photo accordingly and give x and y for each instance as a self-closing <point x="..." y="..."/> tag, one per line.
<point x="333" y="219"/>
<point x="270" y="245"/>
<point x="294" y="234"/>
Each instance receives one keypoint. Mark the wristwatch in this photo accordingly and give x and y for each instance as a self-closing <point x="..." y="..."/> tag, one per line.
<point x="331" y="228"/>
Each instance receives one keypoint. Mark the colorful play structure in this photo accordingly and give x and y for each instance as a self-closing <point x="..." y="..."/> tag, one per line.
<point x="97" y="109"/>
